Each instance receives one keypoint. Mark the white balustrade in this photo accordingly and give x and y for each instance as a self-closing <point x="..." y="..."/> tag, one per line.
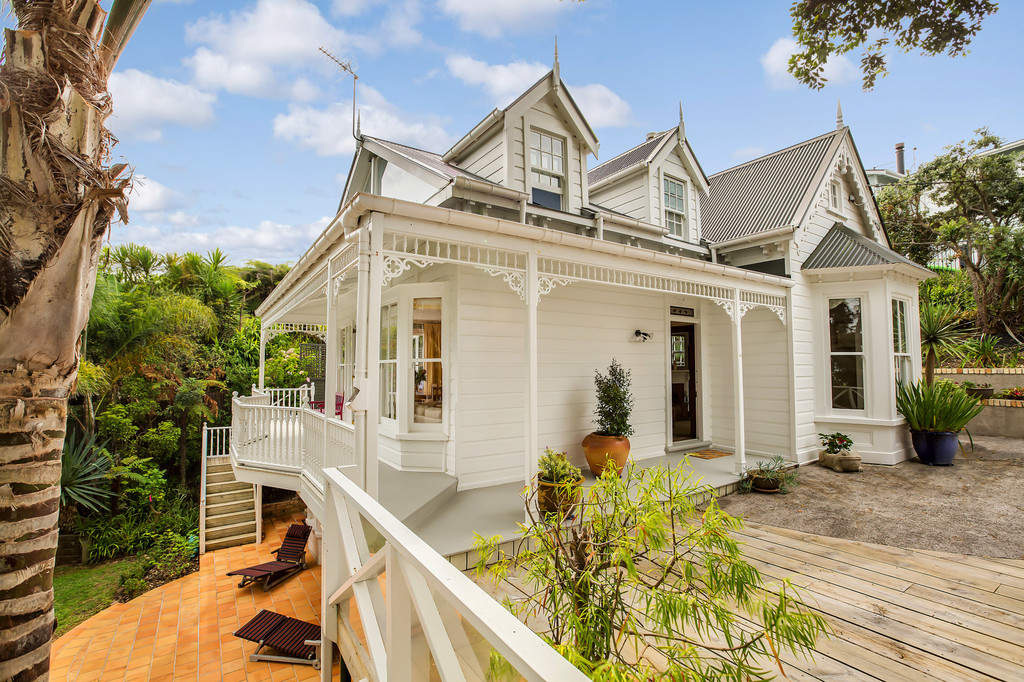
<point x="454" y="612"/>
<point x="341" y="444"/>
<point x="313" y="432"/>
<point x="266" y="435"/>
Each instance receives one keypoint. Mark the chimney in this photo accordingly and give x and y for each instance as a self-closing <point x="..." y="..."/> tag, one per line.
<point x="899" y="158"/>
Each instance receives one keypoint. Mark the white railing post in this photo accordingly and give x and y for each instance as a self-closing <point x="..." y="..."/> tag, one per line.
<point x="263" y="351"/>
<point x="202" y="492"/>
<point x="398" y="640"/>
<point x="739" y="434"/>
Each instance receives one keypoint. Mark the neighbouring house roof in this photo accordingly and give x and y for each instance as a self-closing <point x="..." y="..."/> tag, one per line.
<point x="765" y="193"/>
<point x="841" y="247"/>
<point x="430" y="160"/>
<point x="638" y="154"/>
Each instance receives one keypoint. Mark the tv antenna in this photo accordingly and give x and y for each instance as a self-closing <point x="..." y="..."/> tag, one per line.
<point x="348" y="66"/>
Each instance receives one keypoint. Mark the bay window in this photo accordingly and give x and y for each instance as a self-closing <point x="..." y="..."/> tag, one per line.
<point x="389" y="361"/>
<point x="846" y="351"/>
<point x="901" y="342"/>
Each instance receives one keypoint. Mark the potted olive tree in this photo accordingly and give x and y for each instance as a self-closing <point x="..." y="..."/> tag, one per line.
<point x="609" y="444"/>
<point x="559" y="484"/>
<point x="936" y="414"/>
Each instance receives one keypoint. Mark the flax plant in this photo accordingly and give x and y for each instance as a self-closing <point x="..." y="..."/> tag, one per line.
<point x="642" y="585"/>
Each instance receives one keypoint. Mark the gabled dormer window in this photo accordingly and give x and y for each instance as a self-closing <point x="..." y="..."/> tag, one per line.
<point x="675" y="207"/>
<point x="547" y="170"/>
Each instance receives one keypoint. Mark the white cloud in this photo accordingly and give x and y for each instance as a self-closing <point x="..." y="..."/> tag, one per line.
<point x="399" y="26"/>
<point x="255" y="51"/>
<point x="267" y="241"/>
<point x="351" y="8"/>
<point x="504" y="82"/>
<point x="746" y="153"/>
<point x="838" y="69"/>
<point x="493" y="17"/>
<point x="148" y="195"/>
<point x="601" y="107"/>
<point x="328" y="131"/>
<point x="144" y="104"/>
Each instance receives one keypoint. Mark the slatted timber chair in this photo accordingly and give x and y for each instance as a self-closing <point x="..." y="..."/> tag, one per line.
<point x="298" y="640"/>
<point x="291" y="558"/>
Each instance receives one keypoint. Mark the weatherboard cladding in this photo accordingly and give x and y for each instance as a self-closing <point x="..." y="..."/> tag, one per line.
<point x="429" y="159"/>
<point x="762" y="194"/>
<point x="841" y="247"/>
<point x="636" y="155"/>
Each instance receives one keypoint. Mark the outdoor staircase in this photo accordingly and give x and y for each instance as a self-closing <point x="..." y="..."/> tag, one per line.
<point x="230" y="507"/>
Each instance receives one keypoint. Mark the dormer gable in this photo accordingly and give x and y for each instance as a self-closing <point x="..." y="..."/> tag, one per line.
<point x="537" y="145"/>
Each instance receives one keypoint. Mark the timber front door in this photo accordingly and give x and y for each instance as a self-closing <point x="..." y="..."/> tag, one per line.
<point x="684" y="383"/>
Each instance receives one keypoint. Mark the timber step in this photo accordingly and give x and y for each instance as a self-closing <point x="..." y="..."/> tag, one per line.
<point x="218" y="468"/>
<point x="227" y="487"/>
<point x="231" y="529"/>
<point x="230" y="518"/>
<point x="231" y="541"/>
<point x="229" y="507"/>
<point x="230" y="511"/>
<point x="230" y="496"/>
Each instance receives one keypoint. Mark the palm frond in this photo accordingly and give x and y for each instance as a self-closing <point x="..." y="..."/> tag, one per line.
<point x="83" y="473"/>
<point x="122" y="20"/>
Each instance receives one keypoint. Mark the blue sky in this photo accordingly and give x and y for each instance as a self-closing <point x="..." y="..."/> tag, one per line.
<point x="239" y="130"/>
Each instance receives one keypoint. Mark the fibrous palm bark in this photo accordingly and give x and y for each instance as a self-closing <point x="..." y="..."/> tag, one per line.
<point x="57" y="198"/>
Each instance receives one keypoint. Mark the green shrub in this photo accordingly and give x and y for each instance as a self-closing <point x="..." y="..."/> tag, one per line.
<point x="943" y="406"/>
<point x="614" y="401"/>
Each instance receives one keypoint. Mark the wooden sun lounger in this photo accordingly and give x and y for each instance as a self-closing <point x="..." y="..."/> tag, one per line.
<point x="291" y="558"/>
<point x="297" y="639"/>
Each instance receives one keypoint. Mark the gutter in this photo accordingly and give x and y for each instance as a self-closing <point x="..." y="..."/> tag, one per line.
<point x="462" y="182"/>
<point x="473" y="135"/>
<point x="347" y="221"/>
<point x="767" y="235"/>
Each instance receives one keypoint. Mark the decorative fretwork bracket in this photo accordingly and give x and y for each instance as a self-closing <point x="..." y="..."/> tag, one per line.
<point x="514" y="279"/>
<point x="546" y="284"/>
<point x="395" y="265"/>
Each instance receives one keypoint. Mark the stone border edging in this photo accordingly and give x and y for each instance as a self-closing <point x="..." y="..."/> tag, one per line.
<point x="979" y="370"/>
<point x="1003" y="402"/>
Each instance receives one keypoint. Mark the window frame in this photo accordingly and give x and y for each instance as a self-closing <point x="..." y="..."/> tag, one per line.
<point x="684" y="222"/>
<point x="835" y="201"/>
<point x="562" y="176"/>
<point x="402" y="297"/>
<point x="906" y="356"/>
<point x="862" y="299"/>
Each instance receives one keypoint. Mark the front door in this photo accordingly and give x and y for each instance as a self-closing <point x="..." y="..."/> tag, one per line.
<point x="684" y="383"/>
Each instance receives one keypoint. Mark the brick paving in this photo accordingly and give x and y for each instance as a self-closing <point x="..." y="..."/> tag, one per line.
<point x="182" y="630"/>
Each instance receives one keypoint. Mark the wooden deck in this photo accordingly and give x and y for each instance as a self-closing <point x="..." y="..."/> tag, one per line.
<point x="899" y="614"/>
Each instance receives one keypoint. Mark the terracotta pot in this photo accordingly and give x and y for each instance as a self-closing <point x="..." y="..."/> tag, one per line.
<point x="602" y="451"/>
<point x="558" y="498"/>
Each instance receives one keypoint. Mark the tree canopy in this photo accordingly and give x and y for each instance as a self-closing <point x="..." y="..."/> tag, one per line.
<point x="823" y="28"/>
<point x="967" y="203"/>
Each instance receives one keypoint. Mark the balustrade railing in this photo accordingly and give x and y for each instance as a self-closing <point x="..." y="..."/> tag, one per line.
<point x="313" y="431"/>
<point x="460" y="623"/>
<point x="282" y="397"/>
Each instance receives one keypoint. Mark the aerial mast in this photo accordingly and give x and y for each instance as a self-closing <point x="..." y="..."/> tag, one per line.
<point x="348" y="67"/>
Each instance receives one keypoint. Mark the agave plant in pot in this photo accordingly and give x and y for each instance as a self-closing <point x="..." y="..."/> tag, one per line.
<point x="936" y="414"/>
<point x="609" y="444"/>
<point x="559" y="484"/>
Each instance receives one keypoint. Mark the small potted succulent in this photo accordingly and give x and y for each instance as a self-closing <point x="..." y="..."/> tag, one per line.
<point x="836" y="454"/>
<point x="559" y="484"/>
<point x="609" y="444"/>
<point x="772" y="476"/>
<point x="982" y="391"/>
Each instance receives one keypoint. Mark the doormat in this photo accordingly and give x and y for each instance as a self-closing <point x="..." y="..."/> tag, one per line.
<point x="709" y="454"/>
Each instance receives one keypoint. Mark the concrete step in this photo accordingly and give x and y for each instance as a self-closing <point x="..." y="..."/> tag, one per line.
<point x="226" y="487"/>
<point x="246" y="527"/>
<point x="230" y="496"/>
<point x="219" y="508"/>
<point x="231" y="541"/>
<point x="217" y="468"/>
<point x="231" y="518"/>
<point x="219" y="477"/>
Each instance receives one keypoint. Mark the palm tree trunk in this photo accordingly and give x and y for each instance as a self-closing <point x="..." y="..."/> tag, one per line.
<point x="929" y="367"/>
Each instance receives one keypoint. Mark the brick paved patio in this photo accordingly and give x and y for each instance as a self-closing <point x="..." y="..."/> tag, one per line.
<point x="182" y="630"/>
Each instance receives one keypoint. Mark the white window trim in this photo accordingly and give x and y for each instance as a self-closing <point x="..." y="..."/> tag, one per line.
<point x="686" y="228"/>
<point x="563" y="176"/>
<point x="826" y="345"/>
<point x="910" y="342"/>
<point x="404" y="427"/>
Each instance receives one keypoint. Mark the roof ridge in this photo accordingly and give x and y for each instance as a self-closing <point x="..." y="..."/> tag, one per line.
<point x="779" y="151"/>
<point x="631" y="149"/>
<point x="407" y="146"/>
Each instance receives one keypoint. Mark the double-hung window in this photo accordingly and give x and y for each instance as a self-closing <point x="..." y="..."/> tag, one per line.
<point x="836" y="196"/>
<point x="547" y="169"/>
<point x="901" y="341"/>
<point x="846" y="351"/>
<point x="427" y="367"/>
<point x="675" y="207"/>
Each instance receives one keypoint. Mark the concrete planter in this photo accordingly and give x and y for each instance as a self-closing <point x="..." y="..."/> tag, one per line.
<point x="843" y="462"/>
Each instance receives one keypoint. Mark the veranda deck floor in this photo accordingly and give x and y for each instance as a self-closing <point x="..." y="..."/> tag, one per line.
<point x="898" y="614"/>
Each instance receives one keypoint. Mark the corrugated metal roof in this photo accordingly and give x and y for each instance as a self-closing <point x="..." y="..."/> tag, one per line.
<point x="637" y="154"/>
<point x="429" y="159"/>
<point x="844" y="248"/>
<point x="762" y="194"/>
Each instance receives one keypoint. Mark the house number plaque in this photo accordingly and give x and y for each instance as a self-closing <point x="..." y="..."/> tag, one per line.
<point x="681" y="311"/>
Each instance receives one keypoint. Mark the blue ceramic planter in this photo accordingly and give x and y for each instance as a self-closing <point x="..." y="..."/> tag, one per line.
<point x="937" y="448"/>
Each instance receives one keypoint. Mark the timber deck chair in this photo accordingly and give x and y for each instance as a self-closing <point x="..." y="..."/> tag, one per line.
<point x="297" y="639"/>
<point x="291" y="558"/>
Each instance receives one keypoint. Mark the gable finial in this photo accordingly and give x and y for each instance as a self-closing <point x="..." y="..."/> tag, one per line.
<point x="682" y="124"/>
<point x="839" y="115"/>
<point x="555" y="67"/>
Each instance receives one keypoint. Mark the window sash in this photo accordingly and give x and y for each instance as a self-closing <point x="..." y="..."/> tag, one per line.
<point x="847" y="373"/>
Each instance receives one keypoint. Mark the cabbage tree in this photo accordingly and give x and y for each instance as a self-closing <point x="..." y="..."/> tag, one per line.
<point x="58" y="194"/>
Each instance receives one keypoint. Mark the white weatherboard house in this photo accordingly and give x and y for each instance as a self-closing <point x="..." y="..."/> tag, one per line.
<point x="467" y="298"/>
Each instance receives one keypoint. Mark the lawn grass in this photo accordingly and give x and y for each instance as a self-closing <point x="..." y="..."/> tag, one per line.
<point x="83" y="591"/>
